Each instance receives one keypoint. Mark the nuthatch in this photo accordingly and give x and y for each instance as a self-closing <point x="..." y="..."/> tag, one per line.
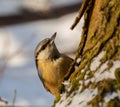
<point x="52" y="66"/>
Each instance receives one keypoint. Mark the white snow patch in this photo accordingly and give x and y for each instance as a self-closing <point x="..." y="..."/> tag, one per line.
<point x="78" y="60"/>
<point x="78" y="100"/>
<point x="81" y="82"/>
<point x="83" y="70"/>
<point x="87" y="82"/>
<point x="81" y="99"/>
<point x="110" y="96"/>
<point x="88" y="72"/>
<point x="92" y="80"/>
<point x="96" y="61"/>
<point x="86" y="75"/>
<point x="67" y="85"/>
<point x="104" y="73"/>
<point x="62" y="102"/>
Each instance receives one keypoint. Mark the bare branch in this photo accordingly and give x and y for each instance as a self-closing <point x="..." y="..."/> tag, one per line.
<point x="27" y="16"/>
<point x="14" y="98"/>
<point x="80" y="13"/>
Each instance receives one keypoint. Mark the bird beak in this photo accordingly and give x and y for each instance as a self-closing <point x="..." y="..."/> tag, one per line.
<point x="53" y="37"/>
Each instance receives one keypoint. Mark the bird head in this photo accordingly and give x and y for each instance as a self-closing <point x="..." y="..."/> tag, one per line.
<point x="46" y="49"/>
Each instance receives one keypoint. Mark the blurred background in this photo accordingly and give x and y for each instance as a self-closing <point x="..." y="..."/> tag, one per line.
<point x="23" y="24"/>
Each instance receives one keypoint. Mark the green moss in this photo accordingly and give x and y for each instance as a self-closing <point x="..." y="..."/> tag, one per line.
<point x="56" y="100"/>
<point x="114" y="103"/>
<point x="75" y="85"/>
<point x="92" y="86"/>
<point x="117" y="75"/>
<point x="95" y="101"/>
<point x="104" y="87"/>
<point x="91" y="74"/>
<point x="99" y="43"/>
<point x="61" y="88"/>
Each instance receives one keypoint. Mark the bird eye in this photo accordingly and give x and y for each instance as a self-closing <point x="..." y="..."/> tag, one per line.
<point x="43" y="47"/>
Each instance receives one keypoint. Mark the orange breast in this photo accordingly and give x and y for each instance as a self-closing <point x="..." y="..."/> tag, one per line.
<point x="53" y="72"/>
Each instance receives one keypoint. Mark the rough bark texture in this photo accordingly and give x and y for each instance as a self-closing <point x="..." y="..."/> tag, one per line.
<point x="98" y="73"/>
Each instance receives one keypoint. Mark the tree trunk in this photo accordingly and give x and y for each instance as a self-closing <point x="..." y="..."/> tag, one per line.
<point x="96" y="81"/>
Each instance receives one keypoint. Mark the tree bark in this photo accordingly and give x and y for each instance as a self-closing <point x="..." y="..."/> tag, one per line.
<point x="96" y="81"/>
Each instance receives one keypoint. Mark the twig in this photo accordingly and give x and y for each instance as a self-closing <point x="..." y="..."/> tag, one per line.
<point x="14" y="98"/>
<point x="80" y="13"/>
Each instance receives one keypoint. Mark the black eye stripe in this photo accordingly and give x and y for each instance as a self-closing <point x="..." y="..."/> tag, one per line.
<point x="42" y="48"/>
